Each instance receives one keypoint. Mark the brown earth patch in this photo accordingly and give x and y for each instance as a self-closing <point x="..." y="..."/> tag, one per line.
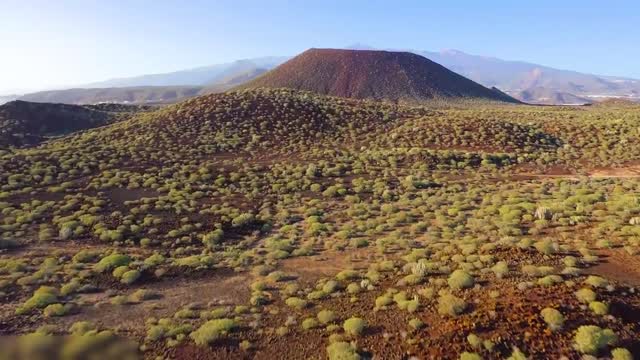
<point x="621" y="172"/>
<point x="328" y="263"/>
<point x="618" y="265"/>
<point x="225" y="289"/>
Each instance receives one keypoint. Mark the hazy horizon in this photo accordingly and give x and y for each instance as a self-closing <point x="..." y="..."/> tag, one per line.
<point x="71" y="43"/>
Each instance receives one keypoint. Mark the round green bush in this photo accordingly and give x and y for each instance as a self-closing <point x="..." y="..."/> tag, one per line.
<point x="451" y="305"/>
<point x="310" y="323"/>
<point x="112" y="261"/>
<point x="130" y="277"/>
<point x="212" y="330"/>
<point x="590" y="339"/>
<point x="55" y="310"/>
<point x="296" y="302"/>
<point x="354" y="326"/>
<point x="470" y="356"/>
<point x="342" y="351"/>
<point x="621" y="354"/>
<point x="599" y="308"/>
<point x="553" y="318"/>
<point x="327" y="316"/>
<point x="586" y="295"/>
<point x="460" y="279"/>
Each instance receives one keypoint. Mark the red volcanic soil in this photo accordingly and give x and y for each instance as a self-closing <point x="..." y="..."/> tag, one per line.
<point x="373" y="74"/>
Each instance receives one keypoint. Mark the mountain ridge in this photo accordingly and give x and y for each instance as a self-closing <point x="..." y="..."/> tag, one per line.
<point x="514" y="77"/>
<point x="202" y="75"/>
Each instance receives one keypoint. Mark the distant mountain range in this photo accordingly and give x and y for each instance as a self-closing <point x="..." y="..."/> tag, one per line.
<point x="122" y="95"/>
<point x="536" y="83"/>
<point x="524" y="81"/>
<point x="7" y="98"/>
<point x="202" y="76"/>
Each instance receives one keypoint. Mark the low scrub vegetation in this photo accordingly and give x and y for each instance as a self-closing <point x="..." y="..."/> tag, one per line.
<point x="228" y="223"/>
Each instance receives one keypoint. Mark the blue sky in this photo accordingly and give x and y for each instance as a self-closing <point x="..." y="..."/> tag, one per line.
<point x="65" y="42"/>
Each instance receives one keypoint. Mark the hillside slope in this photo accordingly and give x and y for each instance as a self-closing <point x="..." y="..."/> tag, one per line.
<point x="365" y="74"/>
<point x="24" y="123"/>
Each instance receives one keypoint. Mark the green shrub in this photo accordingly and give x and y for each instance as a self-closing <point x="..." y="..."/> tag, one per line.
<point x="342" y="351"/>
<point x="553" y="318"/>
<point x="185" y="313"/>
<point x="46" y="234"/>
<point x="282" y="331"/>
<point x="353" y="288"/>
<point x="599" y="308"/>
<point x="590" y="339"/>
<point x="213" y="238"/>
<point x="85" y="256"/>
<point x="545" y="246"/>
<point x="416" y="324"/>
<point x="130" y="277"/>
<point x="81" y="327"/>
<point x="621" y="354"/>
<point x="217" y="313"/>
<point x="212" y="330"/>
<point x="193" y="261"/>
<point x="117" y="272"/>
<point x="410" y="305"/>
<point x="56" y="310"/>
<point x="242" y="220"/>
<point x="71" y="287"/>
<point x="112" y="261"/>
<point x="154" y="260"/>
<point x="119" y="300"/>
<point x="327" y="316"/>
<point x="460" y="279"/>
<point x="310" y="323"/>
<point x="241" y="309"/>
<point x="259" y="298"/>
<point x="142" y="295"/>
<point x="297" y="303"/>
<point x="354" y="326"/>
<point x="596" y="281"/>
<point x="45" y="295"/>
<point x="500" y="269"/>
<point x="411" y="280"/>
<point x="549" y="280"/>
<point x="474" y="340"/>
<point x="383" y="301"/>
<point x="155" y="333"/>
<point x="330" y="286"/>
<point x="347" y="275"/>
<point x="470" y="356"/>
<point x="245" y="345"/>
<point x="516" y="354"/>
<point x="586" y="295"/>
<point x="451" y="305"/>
